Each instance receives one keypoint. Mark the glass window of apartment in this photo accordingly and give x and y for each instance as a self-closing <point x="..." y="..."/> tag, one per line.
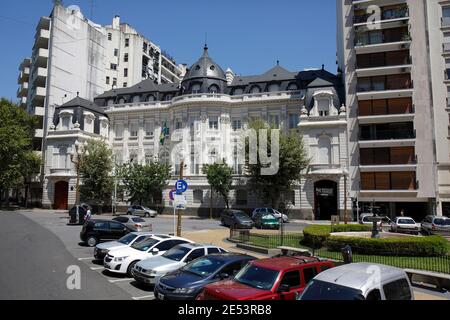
<point x="145" y="47"/>
<point x="115" y="82"/>
<point x="149" y="131"/>
<point x="134" y="129"/>
<point x="196" y="88"/>
<point x="274" y="121"/>
<point x="178" y="124"/>
<point x="214" y="123"/>
<point x="125" y="57"/>
<point x="324" y="151"/>
<point x="194" y="123"/>
<point x="65" y="123"/>
<point x="194" y="166"/>
<point x="113" y="66"/>
<point x="109" y="36"/>
<point x="323" y="107"/>
<point x="364" y="85"/>
<point x="237" y="167"/>
<point x="378" y="83"/>
<point x="446" y="12"/>
<point x="108" y="79"/>
<point x="212" y="156"/>
<point x="63" y="158"/>
<point x="125" y="84"/>
<point x="198" y="196"/>
<point x="237" y="125"/>
<point x="118" y="131"/>
<point x="116" y="52"/>
<point x="127" y="42"/>
<point x="294" y="120"/>
<point x="125" y="72"/>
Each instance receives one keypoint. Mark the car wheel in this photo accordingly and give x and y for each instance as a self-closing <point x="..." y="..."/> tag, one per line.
<point x="91" y="241"/>
<point x="147" y="215"/>
<point x="222" y="222"/>
<point x="130" y="267"/>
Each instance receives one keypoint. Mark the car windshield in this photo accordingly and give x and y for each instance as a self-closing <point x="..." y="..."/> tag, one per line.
<point x="177" y="253"/>
<point x="442" y="222"/>
<point x="268" y="217"/>
<point x="257" y="277"/>
<point x="138" y="220"/>
<point x="320" y="290"/>
<point x="128" y="238"/>
<point x="406" y="221"/>
<point x="204" y="267"/>
<point x="145" y="245"/>
<point x="240" y="215"/>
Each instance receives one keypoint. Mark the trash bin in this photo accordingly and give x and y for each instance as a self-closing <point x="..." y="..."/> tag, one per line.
<point x="347" y="254"/>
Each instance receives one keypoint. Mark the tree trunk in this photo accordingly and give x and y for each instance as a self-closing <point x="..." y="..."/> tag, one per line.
<point x="210" y="203"/>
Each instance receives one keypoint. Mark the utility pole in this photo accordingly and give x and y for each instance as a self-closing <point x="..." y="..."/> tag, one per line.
<point x="179" y="210"/>
<point x="76" y="160"/>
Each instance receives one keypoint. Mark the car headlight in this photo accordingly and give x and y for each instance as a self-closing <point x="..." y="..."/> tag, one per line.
<point x="184" y="290"/>
<point x="120" y="259"/>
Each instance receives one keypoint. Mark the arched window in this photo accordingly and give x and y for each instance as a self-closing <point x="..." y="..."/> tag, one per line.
<point x="196" y="88"/>
<point x="292" y="87"/>
<point x="110" y="102"/>
<point x="255" y="89"/>
<point x="168" y="97"/>
<point x="121" y="101"/>
<point x="198" y="196"/>
<point x="323" y="106"/>
<point x="274" y="87"/>
<point x="136" y="99"/>
<point x="324" y="151"/>
<point x="213" y="89"/>
<point x="151" y="98"/>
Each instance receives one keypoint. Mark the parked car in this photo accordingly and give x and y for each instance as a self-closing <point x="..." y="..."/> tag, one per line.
<point x="135" y="223"/>
<point x="78" y="213"/>
<point x="364" y="218"/>
<point x="435" y="225"/>
<point x="236" y="219"/>
<point x="276" y="213"/>
<point x="141" y="211"/>
<point x="95" y="231"/>
<point x="404" y="225"/>
<point x="102" y="249"/>
<point x="187" y="282"/>
<point x="360" y="281"/>
<point x="150" y="270"/>
<point x="123" y="260"/>
<point x="264" y="220"/>
<point x="268" y="279"/>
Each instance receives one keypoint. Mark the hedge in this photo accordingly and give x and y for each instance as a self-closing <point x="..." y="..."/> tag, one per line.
<point x="402" y="246"/>
<point x="316" y="235"/>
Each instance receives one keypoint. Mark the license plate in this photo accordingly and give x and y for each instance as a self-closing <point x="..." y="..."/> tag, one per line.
<point x="160" y="296"/>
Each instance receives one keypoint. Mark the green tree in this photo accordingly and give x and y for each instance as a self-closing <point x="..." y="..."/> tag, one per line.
<point x="17" y="158"/>
<point x="144" y="183"/>
<point x="220" y="179"/>
<point x="96" y="166"/>
<point x="293" y="159"/>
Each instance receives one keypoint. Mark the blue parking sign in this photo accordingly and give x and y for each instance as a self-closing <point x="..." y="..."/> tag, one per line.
<point x="181" y="186"/>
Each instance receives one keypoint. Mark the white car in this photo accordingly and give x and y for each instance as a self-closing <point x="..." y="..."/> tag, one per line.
<point x="405" y="225"/>
<point x="274" y="212"/>
<point x="123" y="260"/>
<point x="128" y="240"/>
<point x="149" y="271"/>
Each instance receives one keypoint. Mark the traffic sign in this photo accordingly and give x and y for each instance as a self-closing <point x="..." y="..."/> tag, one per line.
<point x="171" y="194"/>
<point x="181" y="186"/>
<point x="179" y="201"/>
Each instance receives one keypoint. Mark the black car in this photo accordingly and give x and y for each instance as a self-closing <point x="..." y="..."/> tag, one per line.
<point x="188" y="282"/>
<point x="236" y="219"/>
<point x="95" y="231"/>
<point x="78" y="213"/>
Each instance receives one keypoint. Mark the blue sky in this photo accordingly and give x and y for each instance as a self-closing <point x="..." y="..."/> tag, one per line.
<point x="247" y="35"/>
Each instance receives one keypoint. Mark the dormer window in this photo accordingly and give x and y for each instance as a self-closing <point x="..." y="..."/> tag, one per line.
<point x="274" y="87"/>
<point x="66" y="119"/>
<point x="89" y="118"/>
<point x="196" y="88"/>
<point x="255" y="89"/>
<point x="292" y="87"/>
<point x="212" y="68"/>
<point x="324" y="104"/>
<point x="213" y="89"/>
<point x="197" y="67"/>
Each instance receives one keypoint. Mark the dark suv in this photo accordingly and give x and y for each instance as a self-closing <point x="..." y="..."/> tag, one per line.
<point x="236" y="219"/>
<point x="95" y="231"/>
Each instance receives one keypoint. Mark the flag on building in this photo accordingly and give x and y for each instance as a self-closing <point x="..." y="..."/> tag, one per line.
<point x="164" y="133"/>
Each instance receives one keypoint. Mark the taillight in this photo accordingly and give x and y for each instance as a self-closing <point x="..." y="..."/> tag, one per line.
<point x="138" y="226"/>
<point x="433" y="227"/>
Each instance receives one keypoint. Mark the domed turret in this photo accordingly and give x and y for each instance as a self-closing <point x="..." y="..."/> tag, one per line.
<point x="204" y="76"/>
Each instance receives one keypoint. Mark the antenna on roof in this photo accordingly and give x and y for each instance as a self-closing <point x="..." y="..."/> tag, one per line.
<point x="206" y="41"/>
<point x="323" y="67"/>
<point x="278" y="62"/>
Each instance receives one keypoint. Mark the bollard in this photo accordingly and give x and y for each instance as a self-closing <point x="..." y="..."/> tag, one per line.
<point x="347" y="254"/>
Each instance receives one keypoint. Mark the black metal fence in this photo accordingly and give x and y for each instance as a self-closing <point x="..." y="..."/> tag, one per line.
<point x="439" y="264"/>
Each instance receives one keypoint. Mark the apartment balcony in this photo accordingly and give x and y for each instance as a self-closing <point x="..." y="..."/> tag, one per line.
<point x="42" y="39"/>
<point x="388" y="89"/>
<point x="386" y="63"/>
<point x="23" y="90"/>
<point x="382" y="40"/>
<point x="24" y="75"/>
<point x="44" y="23"/>
<point x="387" y="134"/>
<point x="39" y="76"/>
<point x="23" y="102"/>
<point x="60" y="172"/>
<point x="39" y="111"/>
<point x="40" y="57"/>
<point x="38" y="95"/>
<point x="386" y="118"/>
<point x="388" y="15"/>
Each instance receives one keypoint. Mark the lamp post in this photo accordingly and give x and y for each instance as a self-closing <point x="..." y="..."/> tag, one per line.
<point x="75" y="158"/>
<point x="345" y="174"/>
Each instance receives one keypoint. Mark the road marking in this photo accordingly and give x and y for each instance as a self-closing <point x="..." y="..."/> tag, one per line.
<point x="143" y="297"/>
<point x="97" y="268"/>
<point x="120" y="280"/>
<point x="81" y="259"/>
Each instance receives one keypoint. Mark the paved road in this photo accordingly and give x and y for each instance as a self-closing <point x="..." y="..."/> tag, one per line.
<point x="34" y="265"/>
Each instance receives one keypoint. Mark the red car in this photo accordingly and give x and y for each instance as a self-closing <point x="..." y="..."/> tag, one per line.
<point x="278" y="278"/>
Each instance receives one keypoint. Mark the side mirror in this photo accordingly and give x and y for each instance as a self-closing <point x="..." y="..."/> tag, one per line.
<point x="155" y="251"/>
<point x="283" y="288"/>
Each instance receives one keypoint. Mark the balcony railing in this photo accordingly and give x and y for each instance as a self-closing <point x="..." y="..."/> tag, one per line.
<point x="365" y="41"/>
<point x="385" y="87"/>
<point x="388" y="134"/>
<point x="445" y="21"/>
<point x="385" y="15"/>
<point x="385" y="63"/>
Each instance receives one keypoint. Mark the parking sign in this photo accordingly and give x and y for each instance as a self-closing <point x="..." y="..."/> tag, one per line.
<point x="181" y="186"/>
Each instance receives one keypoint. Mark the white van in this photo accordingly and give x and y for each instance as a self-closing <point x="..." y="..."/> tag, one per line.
<point x="359" y="281"/>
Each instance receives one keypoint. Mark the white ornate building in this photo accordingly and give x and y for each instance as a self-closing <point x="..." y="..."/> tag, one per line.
<point x="210" y="109"/>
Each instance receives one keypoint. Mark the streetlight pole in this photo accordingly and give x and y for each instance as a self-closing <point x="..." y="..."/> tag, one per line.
<point x="77" y="169"/>
<point x="345" y="172"/>
<point x="179" y="210"/>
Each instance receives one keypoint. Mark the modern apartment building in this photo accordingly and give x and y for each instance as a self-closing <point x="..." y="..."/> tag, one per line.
<point x="75" y="57"/>
<point x="393" y="56"/>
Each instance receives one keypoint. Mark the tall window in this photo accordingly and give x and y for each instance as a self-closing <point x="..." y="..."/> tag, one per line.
<point x="198" y="196"/>
<point x="323" y="107"/>
<point x="274" y="121"/>
<point x="108" y="80"/>
<point x="113" y="66"/>
<point x="237" y="125"/>
<point x="125" y="72"/>
<point x="178" y="124"/>
<point x="237" y="167"/>
<point x="127" y="42"/>
<point x="196" y="88"/>
<point x="149" y="129"/>
<point x="293" y="120"/>
<point x="118" y="131"/>
<point x="134" y="128"/>
<point x="214" y="123"/>
<point x="116" y="52"/>
<point x="212" y="156"/>
<point x="109" y="36"/>
<point x="114" y="82"/>
<point x="66" y="123"/>
<point x="195" y="167"/>
<point x="63" y="158"/>
<point x="324" y="154"/>
<point x="125" y="57"/>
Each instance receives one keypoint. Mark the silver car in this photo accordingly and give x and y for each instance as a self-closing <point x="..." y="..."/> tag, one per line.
<point x="359" y="281"/>
<point x="134" y="223"/>
<point x="137" y="210"/>
<point x="101" y="250"/>
<point x="277" y="214"/>
<point x="436" y="225"/>
<point x="150" y="270"/>
<point x="404" y="225"/>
